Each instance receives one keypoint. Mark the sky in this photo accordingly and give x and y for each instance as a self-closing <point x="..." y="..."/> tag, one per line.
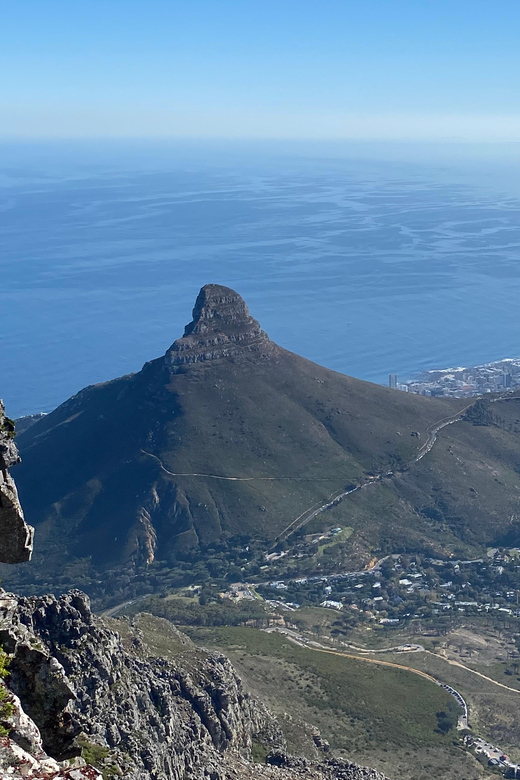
<point x="261" y="69"/>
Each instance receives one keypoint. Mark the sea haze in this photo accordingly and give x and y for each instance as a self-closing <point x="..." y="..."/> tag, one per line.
<point x="366" y="266"/>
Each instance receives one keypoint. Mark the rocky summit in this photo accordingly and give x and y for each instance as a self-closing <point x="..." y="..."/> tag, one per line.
<point x="221" y="328"/>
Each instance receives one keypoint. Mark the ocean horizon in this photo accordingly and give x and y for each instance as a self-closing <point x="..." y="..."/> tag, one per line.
<point x="369" y="260"/>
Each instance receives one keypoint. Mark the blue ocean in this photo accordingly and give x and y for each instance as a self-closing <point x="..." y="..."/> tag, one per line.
<point x="369" y="261"/>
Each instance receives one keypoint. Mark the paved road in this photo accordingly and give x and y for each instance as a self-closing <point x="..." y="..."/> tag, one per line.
<point x="299" y="640"/>
<point x="399" y="648"/>
<point x="309" y="514"/>
<point x="114" y="610"/>
<point x="337" y="496"/>
<point x="480" y="745"/>
<point x="434" y="429"/>
<point x="407" y="648"/>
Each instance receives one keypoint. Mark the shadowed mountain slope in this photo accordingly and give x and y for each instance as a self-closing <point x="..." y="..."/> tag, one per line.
<point x="230" y="434"/>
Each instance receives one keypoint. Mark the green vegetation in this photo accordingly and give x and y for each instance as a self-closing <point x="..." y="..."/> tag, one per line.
<point x="405" y="589"/>
<point x="365" y="693"/>
<point x="338" y="538"/>
<point x="290" y="435"/>
<point x="97" y="756"/>
<point x="4" y="664"/>
<point x="7" y="427"/>
<point x="259" y="751"/>
<point x="6" y="708"/>
<point x="494" y="712"/>
<point x="446" y="721"/>
<point x="293" y="431"/>
<point x="92" y="753"/>
<point x="215" y="613"/>
<point x="384" y="717"/>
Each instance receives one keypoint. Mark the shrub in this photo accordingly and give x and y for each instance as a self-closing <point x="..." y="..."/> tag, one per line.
<point x="6" y="707"/>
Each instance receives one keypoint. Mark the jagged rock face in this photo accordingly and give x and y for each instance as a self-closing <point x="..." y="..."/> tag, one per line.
<point x="221" y="328"/>
<point x="155" y="720"/>
<point x="22" y="754"/>
<point x="148" y="718"/>
<point x="15" y="535"/>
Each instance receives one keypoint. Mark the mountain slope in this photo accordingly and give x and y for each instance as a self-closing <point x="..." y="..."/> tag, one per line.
<point x="229" y="434"/>
<point x="224" y="401"/>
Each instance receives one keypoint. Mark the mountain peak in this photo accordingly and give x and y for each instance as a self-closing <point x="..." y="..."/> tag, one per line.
<point x="219" y="309"/>
<point x="222" y="327"/>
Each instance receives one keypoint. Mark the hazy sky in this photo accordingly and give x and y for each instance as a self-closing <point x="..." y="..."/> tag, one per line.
<point x="375" y="69"/>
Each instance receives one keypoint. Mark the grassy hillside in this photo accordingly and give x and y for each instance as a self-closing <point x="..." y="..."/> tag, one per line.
<point x="95" y="472"/>
<point x="383" y="717"/>
<point x="494" y="711"/>
<point x="222" y="443"/>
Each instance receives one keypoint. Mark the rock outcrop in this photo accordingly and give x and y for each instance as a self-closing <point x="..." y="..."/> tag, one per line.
<point x="15" y="535"/>
<point x="31" y="761"/>
<point x="221" y="328"/>
<point x="79" y="685"/>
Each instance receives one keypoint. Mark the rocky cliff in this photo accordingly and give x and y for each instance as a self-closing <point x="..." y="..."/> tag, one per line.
<point x="15" y="535"/>
<point x="86" y="688"/>
<point x="221" y="328"/>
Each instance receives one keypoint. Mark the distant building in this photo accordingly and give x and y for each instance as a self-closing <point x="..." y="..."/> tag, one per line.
<point x="506" y="379"/>
<point x="392" y="381"/>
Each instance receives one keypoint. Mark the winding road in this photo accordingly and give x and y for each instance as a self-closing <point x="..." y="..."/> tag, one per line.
<point x="463" y="721"/>
<point x="338" y="495"/>
<point x="310" y="513"/>
<point x="300" y="641"/>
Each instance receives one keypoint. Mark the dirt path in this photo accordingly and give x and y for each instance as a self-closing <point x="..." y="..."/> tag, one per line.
<point x="320" y="649"/>
<point x="337" y="496"/>
<point x="235" y="479"/>
<point x="408" y="668"/>
<point x="473" y="671"/>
